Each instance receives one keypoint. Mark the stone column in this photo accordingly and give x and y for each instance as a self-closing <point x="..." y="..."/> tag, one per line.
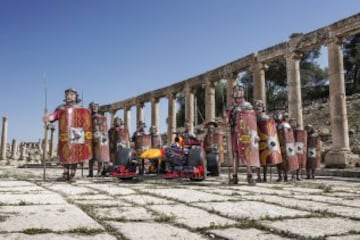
<point x="127" y="117"/>
<point x="4" y="138"/>
<point x="40" y="145"/>
<point x="189" y="106"/>
<point x="258" y="70"/>
<point x="155" y="113"/>
<point x="171" y="121"/>
<point x="230" y="78"/>
<point x="231" y="81"/>
<point x="45" y="146"/>
<point x="196" y="112"/>
<point x="339" y="154"/>
<point x="209" y="102"/>
<point x="139" y="112"/>
<point x="22" y="151"/>
<point x="112" y="116"/>
<point x="13" y="149"/>
<point x="294" y="87"/>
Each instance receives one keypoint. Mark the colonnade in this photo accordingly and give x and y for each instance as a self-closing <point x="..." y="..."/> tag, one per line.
<point x="330" y="36"/>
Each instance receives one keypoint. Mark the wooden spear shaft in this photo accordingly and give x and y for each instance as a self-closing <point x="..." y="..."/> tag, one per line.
<point x="45" y="135"/>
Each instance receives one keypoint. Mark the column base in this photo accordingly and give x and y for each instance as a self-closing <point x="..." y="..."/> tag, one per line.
<point x="341" y="159"/>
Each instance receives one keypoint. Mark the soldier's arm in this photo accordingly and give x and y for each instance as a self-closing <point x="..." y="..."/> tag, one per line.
<point x="226" y="115"/>
<point x="52" y="117"/>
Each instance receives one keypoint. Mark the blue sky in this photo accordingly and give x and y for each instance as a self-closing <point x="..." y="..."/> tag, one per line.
<point x="110" y="50"/>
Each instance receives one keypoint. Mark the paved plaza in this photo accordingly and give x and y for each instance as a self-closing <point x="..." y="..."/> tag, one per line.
<point x="155" y="209"/>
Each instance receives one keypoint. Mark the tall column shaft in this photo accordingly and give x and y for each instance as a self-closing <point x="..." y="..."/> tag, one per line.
<point x="338" y="156"/>
<point x="112" y="116"/>
<point x="22" y="151"/>
<point x="171" y="121"/>
<point x="209" y="102"/>
<point x="155" y="112"/>
<point x="127" y="117"/>
<point x="196" y="112"/>
<point x="13" y="149"/>
<point x="139" y="112"/>
<point x="294" y="88"/>
<point x="259" y="82"/>
<point x="189" y="107"/>
<point x="230" y="82"/>
<point x="4" y="138"/>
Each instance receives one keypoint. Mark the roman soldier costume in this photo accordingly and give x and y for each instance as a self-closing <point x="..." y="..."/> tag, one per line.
<point x="244" y="137"/>
<point x="313" y="151"/>
<point x="269" y="146"/>
<point x="213" y="147"/>
<point x="75" y="134"/>
<point x="287" y="145"/>
<point x="118" y="137"/>
<point x="100" y="140"/>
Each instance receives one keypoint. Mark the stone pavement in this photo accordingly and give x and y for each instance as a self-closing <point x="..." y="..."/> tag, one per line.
<point x="106" y="208"/>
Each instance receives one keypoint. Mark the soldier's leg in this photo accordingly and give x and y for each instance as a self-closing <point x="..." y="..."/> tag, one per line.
<point x="313" y="173"/>
<point x="99" y="168"/>
<point x="307" y="173"/>
<point x="235" y="168"/>
<point x="293" y="175"/>
<point x="91" y="167"/>
<point x="250" y="178"/>
<point x="265" y="173"/>
<point x="285" y="175"/>
<point x="112" y="156"/>
<point x="65" y="174"/>
<point x="298" y="174"/>
<point x="258" y="171"/>
<point x="73" y="168"/>
<point x="279" y="170"/>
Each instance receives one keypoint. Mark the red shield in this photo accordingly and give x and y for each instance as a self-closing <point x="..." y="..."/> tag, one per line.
<point x="75" y="135"/>
<point x="124" y="137"/>
<point x="117" y="135"/>
<point x="270" y="152"/>
<point x="101" y="140"/>
<point x="287" y="145"/>
<point x="313" y="151"/>
<point x="247" y="138"/>
<point x="215" y="138"/>
<point x="300" y="146"/>
<point x="142" y="142"/>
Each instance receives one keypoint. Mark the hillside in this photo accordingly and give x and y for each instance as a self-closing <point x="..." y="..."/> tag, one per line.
<point x="318" y="114"/>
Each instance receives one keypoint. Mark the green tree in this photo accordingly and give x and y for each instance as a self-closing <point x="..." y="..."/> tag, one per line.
<point x="351" y="49"/>
<point x="180" y="115"/>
